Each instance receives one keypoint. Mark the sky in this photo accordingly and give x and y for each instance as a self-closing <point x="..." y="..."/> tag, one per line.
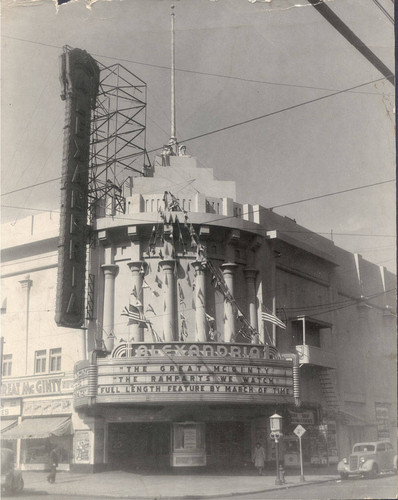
<point x="236" y="60"/>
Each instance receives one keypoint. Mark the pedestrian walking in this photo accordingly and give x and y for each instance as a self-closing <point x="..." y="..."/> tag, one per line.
<point x="259" y="458"/>
<point x="53" y="465"/>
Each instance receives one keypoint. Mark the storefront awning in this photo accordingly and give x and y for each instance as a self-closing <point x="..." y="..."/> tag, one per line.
<point x="39" y="428"/>
<point x="6" y="424"/>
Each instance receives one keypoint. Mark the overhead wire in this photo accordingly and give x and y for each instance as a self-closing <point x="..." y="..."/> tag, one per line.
<point x="385" y="12"/>
<point x="332" y="194"/>
<point x="228" y="127"/>
<point x="338" y="304"/>
<point x="39" y="171"/>
<point x="353" y="302"/>
<point x="136" y="219"/>
<point x="273" y="113"/>
<point x="223" y="218"/>
<point x="181" y="70"/>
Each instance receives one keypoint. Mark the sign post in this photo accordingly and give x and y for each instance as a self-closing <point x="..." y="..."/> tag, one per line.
<point x="299" y="431"/>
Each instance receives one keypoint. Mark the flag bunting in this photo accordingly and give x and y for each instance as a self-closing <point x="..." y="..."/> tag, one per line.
<point x="134" y="315"/>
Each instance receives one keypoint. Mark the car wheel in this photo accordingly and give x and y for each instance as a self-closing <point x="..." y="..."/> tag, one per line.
<point x="374" y="471"/>
<point x="343" y="476"/>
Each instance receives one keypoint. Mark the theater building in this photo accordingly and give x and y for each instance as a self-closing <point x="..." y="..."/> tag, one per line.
<point x="193" y="380"/>
<point x="166" y="333"/>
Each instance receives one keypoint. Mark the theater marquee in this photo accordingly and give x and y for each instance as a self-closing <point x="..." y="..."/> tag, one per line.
<point x="185" y="372"/>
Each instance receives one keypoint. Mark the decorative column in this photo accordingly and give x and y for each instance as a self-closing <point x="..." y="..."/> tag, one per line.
<point x="170" y="329"/>
<point x="200" y="301"/>
<point x="26" y="285"/>
<point x="229" y="323"/>
<point x="110" y="272"/>
<point x="137" y="275"/>
<point x="250" y="275"/>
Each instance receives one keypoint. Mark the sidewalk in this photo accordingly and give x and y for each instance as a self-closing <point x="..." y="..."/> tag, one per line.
<point x="121" y="484"/>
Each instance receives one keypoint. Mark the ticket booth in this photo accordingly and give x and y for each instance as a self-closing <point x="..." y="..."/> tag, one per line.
<point x="188" y="443"/>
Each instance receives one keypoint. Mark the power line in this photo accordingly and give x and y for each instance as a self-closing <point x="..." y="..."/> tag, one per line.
<point x="385" y="12"/>
<point x="354" y="303"/>
<point x="340" y="305"/>
<point x="332" y="194"/>
<point x="262" y="209"/>
<point x="31" y="208"/>
<point x="204" y="73"/>
<point x="348" y="302"/>
<point x="225" y="128"/>
<point x="312" y="198"/>
<point x="31" y="186"/>
<point x="347" y="234"/>
<point x="273" y="113"/>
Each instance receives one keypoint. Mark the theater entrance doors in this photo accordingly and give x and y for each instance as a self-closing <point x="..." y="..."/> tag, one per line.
<point x="133" y="446"/>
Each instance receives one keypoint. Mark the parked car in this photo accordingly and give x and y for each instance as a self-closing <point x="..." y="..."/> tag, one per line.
<point x="11" y="478"/>
<point x="367" y="459"/>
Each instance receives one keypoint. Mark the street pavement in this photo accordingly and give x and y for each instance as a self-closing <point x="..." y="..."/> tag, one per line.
<point x="383" y="487"/>
<point x="151" y="486"/>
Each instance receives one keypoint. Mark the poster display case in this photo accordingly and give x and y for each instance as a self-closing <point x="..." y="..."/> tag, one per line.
<point x="188" y="445"/>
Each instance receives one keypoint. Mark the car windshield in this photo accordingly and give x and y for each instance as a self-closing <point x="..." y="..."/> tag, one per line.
<point x="364" y="447"/>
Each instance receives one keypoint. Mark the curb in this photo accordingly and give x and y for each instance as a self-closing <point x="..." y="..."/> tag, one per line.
<point x="195" y="497"/>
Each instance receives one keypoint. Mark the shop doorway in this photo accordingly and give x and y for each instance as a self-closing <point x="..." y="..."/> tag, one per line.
<point x="227" y="444"/>
<point x="135" y="446"/>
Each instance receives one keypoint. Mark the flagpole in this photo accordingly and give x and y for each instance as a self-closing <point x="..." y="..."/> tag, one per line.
<point x="173" y="105"/>
<point x="273" y="325"/>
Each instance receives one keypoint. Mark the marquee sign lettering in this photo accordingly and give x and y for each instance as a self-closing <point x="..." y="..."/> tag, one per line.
<point x="185" y="372"/>
<point x="179" y="349"/>
<point x="80" y="77"/>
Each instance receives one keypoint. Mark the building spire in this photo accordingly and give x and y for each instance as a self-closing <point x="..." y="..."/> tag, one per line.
<point x="173" y="138"/>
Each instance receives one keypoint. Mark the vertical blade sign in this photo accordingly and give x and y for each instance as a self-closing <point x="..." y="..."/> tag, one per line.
<point x="80" y="81"/>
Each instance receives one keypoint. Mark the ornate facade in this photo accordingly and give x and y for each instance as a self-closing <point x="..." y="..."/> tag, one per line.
<point x="203" y="318"/>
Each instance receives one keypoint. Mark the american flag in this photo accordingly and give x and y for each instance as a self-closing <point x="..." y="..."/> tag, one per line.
<point x="273" y="319"/>
<point x="135" y="315"/>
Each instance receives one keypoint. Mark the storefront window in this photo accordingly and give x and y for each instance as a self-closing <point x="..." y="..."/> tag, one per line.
<point x="37" y="451"/>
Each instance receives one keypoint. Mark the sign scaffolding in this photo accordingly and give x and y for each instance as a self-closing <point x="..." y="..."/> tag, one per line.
<point x="118" y="138"/>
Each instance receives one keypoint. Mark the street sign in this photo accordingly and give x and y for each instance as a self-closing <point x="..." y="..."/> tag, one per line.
<point x="299" y="431"/>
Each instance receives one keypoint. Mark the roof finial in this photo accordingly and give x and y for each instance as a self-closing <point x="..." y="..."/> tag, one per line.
<point x="173" y="138"/>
